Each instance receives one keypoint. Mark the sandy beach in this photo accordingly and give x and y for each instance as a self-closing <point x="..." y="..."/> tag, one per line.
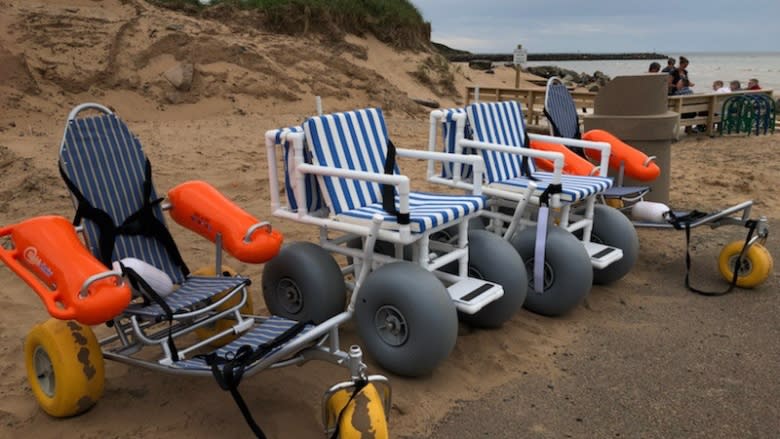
<point x="642" y="357"/>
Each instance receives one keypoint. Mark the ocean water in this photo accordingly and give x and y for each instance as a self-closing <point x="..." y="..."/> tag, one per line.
<point x="704" y="68"/>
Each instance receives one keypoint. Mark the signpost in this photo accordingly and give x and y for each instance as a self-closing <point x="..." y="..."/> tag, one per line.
<point x="519" y="59"/>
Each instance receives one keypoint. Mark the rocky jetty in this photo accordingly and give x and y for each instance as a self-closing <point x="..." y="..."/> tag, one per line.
<point x="571" y="78"/>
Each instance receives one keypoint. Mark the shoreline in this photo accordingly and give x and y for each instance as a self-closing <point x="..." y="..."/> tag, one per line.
<point x="507" y="57"/>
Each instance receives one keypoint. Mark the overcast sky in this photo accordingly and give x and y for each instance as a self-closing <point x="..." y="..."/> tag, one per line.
<point x="605" y="25"/>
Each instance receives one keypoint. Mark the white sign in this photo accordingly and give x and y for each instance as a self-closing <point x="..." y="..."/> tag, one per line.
<point x="520" y="56"/>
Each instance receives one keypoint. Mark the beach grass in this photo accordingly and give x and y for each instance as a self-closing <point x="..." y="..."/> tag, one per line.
<point x="396" y="22"/>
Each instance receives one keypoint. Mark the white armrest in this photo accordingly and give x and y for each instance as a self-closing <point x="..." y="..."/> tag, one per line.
<point x="555" y="157"/>
<point x="399" y="181"/>
<point x="478" y="165"/>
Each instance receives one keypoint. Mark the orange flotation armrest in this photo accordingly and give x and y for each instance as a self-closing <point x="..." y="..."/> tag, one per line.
<point x="201" y="208"/>
<point x="73" y="285"/>
<point x="636" y="164"/>
<point x="572" y="163"/>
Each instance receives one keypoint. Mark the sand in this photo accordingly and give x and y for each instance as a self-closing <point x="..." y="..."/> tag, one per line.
<point x="56" y="54"/>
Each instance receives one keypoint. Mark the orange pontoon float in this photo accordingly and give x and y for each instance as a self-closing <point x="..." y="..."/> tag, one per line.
<point x="572" y="163"/>
<point x="199" y="207"/>
<point x="73" y="285"/>
<point x="636" y="164"/>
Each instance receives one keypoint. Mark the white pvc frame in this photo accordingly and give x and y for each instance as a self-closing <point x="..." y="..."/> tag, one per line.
<point x="430" y="255"/>
<point x="516" y="196"/>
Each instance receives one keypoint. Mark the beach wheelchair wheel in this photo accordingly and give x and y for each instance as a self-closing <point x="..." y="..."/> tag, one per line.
<point x="64" y="367"/>
<point x="304" y="283"/>
<point x="613" y="228"/>
<point x="363" y="415"/>
<point x="406" y="319"/>
<point x="212" y="329"/>
<point x="754" y="269"/>
<point x="493" y="259"/>
<point x="568" y="273"/>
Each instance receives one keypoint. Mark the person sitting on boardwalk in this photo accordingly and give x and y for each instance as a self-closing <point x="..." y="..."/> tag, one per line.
<point x="683" y="87"/>
<point x="718" y="87"/>
<point x="753" y="84"/>
<point x="669" y="65"/>
<point x="654" y="67"/>
<point x="680" y="72"/>
<point x="735" y="85"/>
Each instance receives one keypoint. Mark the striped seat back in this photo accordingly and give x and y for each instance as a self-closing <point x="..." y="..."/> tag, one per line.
<point x="561" y="112"/>
<point x="500" y="123"/>
<point x="311" y="190"/>
<point x="448" y="133"/>
<point x="105" y="162"/>
<point x="354" y="140"/>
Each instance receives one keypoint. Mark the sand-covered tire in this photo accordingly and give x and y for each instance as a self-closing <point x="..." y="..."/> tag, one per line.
<point x="756" y="266"/>
<point x="64" y="367"/>
<point x="358" y="417"/>
<point x="568" y="273"/>
<point x="406" y="319"/>
<point x="304" y="283"/>
<point x="493" y="259"/>
<point x="212" y="329"/>
<point x="611" y="227"/>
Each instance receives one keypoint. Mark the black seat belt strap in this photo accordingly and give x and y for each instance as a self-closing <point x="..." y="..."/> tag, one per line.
<point x="229" y="375"/>
<point x="142" y="222"/>
<point x="149" y="295"/>
<point x="388" y="190"/>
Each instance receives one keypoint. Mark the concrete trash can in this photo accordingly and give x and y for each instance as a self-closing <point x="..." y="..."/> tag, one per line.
<point x="634" y="108"/>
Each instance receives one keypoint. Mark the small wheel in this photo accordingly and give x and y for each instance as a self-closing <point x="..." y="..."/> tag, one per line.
<point x="210" y="330"/>
<point x="755" y="268"/>
<point x="64" y="367"/>
<point x="611" y="227"/>
<point x="304" y="283"/>
<point x="363" y="417"/>
<point x="495" y="260"/>
<point x="406" y="319"/>
<point x="568" y="273"/>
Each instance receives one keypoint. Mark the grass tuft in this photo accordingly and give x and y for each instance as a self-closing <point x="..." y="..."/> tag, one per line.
<point x="395" y="22"/>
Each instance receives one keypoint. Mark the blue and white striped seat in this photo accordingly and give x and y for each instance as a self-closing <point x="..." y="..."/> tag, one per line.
<point x="105" y="162"/>
<point x="265" y="332"/>
<point x="311" y="190"/>
<point x="502" y="123"/>
<point x="449" y="131"/>
<point x="357" y="140"/>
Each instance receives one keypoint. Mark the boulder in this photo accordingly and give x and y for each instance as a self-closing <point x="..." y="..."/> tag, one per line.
<point x="180" y="76"/>
<point x="481" y="64"/>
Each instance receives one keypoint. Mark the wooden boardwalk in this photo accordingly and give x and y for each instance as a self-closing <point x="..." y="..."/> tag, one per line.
<point x="706" y="107"/>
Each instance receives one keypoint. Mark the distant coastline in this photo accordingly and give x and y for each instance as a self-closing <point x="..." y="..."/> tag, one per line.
<point x="456" y="55"/>
<point x="507" y="57"/>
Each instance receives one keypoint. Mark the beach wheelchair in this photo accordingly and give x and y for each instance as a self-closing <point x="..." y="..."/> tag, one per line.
<point x="568" y="242"/>
<point x="408" y="289"/>
<point x="744" y="263"/>
<point x="129" y="275"/>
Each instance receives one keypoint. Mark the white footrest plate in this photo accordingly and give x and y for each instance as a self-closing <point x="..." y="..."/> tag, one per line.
<point x="471" y="295"/>
<point x="602" y="255"/>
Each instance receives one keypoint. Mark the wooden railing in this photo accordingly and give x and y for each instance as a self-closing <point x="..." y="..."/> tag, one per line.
<point x="704" y="109"/>
<point x="705" y="106"/>
<point x="532" y="100"/>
